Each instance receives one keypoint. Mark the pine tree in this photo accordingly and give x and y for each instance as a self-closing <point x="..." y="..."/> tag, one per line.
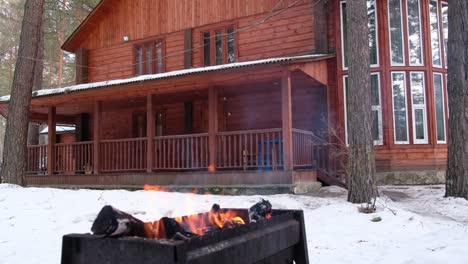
<point x="361" y="163"/>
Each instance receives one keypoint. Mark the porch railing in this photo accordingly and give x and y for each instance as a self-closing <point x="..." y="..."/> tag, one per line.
<point x="37" y="159"/>
<point x="76" y="157"/>
<point x="260" y="149"/>
<point x="184" y="152"/>
<point x="123" y="155"/>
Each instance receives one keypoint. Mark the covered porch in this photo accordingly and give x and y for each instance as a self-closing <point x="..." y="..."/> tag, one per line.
<point x="262" y="125"/>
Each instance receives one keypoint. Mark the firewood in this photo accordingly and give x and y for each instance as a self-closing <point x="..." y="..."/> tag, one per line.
<point x="260" y="211"/>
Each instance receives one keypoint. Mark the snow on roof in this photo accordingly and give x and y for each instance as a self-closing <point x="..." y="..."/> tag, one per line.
<point x="61" y="129"/>
<point x="88" y="86"/>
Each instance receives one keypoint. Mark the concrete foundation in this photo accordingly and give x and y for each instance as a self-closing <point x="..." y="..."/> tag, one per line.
<point x="411" y="177"/>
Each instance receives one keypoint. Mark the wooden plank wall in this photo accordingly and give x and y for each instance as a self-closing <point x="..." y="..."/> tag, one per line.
<point x="289" y="33"/>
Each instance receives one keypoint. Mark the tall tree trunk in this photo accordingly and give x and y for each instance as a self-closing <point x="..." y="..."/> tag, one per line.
<point x="33" y="130"/>
<point x="61" y="40"/>
<point x="457" y="163"/>
<point x="361" y="163"/>
<point x="14" y="154"/>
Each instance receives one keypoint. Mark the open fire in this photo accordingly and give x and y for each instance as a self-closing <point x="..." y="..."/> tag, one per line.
<point x="259" y="234"/>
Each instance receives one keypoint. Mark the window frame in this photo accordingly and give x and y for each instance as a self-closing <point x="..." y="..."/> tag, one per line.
<point x="403" y="34"/>
<point x="438" y="32"/>
<point x="154" y="63"/>
<point x="378" y="142"/>
<point x="422" y="107"/>
<point x="444" y="115"/>
<point x="225" y="48"/>
<point x="377" y="46"/>
<point x="399" y="142"/>
<point x="421" y="40"/>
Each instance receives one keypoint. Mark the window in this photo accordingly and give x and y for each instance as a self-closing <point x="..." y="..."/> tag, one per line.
<point x="435" y="36"/>
<point x="445" y="30"/>
<point x="439" y="107"/>
<point x="377" y="131"/>
<point x="414" y="32"/>
<point x="219" y="46"/>
<point x="372" y="24"/>
<point x="395" y="19"/>
<point x="149" y="58"/>
<point x="418" y="100"/>
<point x="400" y="115"/>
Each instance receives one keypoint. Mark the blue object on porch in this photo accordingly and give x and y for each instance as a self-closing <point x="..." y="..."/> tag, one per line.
<point x="265" y="156"/>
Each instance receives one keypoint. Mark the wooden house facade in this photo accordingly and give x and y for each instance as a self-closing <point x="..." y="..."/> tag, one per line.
<point x="239" y="92"/>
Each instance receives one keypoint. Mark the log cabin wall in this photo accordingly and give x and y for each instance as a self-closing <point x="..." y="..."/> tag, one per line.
<point x="288" y="33"/>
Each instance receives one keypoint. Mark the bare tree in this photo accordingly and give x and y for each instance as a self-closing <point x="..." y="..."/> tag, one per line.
<point x="361" y="163"/>
<point x="14" y="155"/>
<point x="457" y="163"/>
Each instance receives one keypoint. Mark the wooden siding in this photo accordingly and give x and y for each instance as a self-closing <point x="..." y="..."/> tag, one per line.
<point x="289" y="33"/>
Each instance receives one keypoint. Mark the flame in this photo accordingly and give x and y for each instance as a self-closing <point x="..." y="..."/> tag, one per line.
<point x="156" y="188"/>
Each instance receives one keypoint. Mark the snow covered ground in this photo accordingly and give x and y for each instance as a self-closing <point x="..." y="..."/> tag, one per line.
<point x="418" y="225"/>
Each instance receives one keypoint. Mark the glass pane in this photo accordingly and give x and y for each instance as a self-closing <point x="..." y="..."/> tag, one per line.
<point x="371" y="14"/>
<point x="372" y="18"/>
<point x="414" y="33"/>
<point x="439" y="105"/>
<point x="345" y="34"/>
<point x="396" y="31"/>
<point x="417" y="88"/>
<point x="219" y="47"/>
<point x="375" y="93"/>
<point x="139" y="60"/>
<point x="399" y="106"/>
<point x="231" y="49"/>
<point x="375" y="125"/>
<point x="159" y="55"/>
<point x="207" y="49"/>
<point x="419" y="124"/>
<point x="445" y="29"/>
<point x="149" y="59"/>
<point x="435" y="38"/>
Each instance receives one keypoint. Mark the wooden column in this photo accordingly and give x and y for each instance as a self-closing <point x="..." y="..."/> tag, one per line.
<point x="96" y="135"/>
<point x="212" y="126"/>
<point x="150" y="133"/>
<point x="286" y="114"/>
<point x="51" y="140"/>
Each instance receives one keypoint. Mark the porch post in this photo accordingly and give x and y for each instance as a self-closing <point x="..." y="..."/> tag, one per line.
<point x="51" y="139"/>
<point x="150" y="133"/>
<point x="286" y="110"/>
<point x="212" y="126"/>
<point x="96" y="135"/>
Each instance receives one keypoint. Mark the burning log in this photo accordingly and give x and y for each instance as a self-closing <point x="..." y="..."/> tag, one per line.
<point x="112" y="222"/>
<point x="260" y="211"/>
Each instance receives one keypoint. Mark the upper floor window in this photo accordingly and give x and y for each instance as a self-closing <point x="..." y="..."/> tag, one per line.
<point x="219" y="46"/>
<point x="149" y="57"/>
<point x="445" y="29"/>
<point x="435" y="33"/>
<point x="413" y="11"/>
<point x="395" y="19"/>
<point x="372" y="24"/>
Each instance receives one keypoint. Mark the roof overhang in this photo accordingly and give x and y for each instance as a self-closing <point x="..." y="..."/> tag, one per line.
<point x="172" y="82"/>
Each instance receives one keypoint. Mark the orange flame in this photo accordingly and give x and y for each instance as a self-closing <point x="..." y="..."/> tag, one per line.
<point x="156" y="188"/>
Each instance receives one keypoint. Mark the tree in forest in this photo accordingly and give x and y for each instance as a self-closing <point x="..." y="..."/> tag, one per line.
<point x="15" y="146"/>
<point x="457" y="163"/>
<point x="361" y="159"/>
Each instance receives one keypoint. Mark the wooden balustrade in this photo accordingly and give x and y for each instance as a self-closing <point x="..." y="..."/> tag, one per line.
<point x="76" y="157"/>
<point x="123" y="155"/>
<point x="37" y="159"/>
<point x="184" y="152"/>
<point x="308" y="149"/>
<point x="254" y="149"/>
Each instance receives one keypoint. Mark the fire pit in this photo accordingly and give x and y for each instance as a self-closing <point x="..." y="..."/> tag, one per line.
<point x="278" y="238"/>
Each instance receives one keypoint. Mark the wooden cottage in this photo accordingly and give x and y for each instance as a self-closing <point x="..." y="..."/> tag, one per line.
<point x="240" y="92"/>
